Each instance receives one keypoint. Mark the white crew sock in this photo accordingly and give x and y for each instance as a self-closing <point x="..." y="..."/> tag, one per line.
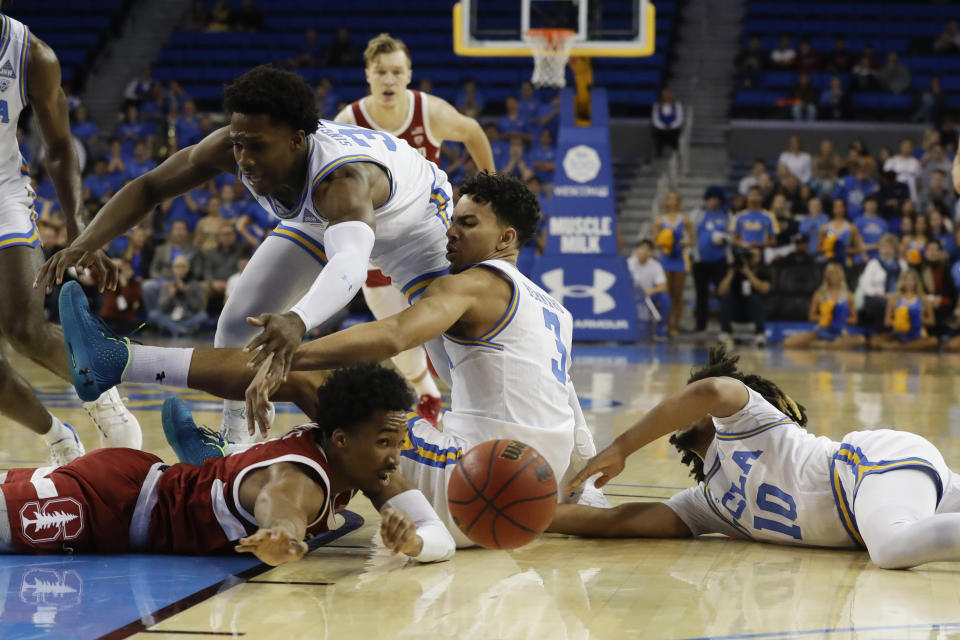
<point x="58" y="431"/>
<point x="161" y="365"/>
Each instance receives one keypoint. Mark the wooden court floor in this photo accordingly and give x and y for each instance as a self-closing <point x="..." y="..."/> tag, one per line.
<point x="562" y="588"/>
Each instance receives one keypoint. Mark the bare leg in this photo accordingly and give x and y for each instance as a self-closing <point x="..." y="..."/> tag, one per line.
<point x="18" y="401"/>
<point x="847" y="342"/>
<point x="675" y="280"/>
<point x="799" y="340"/>
<point x="628" y="520"/>
<point x="21" y="315"/>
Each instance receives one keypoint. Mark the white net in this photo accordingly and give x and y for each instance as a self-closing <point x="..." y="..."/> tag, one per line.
<point x="551" y="50"/>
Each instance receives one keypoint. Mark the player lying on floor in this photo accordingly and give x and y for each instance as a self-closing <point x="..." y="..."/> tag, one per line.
<point x="265" y="499"/>
<point x="506" y="341"/>
<point x="763" y="477"/>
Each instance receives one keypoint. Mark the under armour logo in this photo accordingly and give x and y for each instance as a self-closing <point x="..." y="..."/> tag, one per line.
<point x="602" y="282"/>
<point x="161" y="377"/>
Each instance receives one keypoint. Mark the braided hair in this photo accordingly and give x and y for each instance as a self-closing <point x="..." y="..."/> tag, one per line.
<point x="720" y="363"/>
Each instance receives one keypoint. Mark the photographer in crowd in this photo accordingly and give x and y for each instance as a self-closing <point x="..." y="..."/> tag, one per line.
<point x="742" y="292"/>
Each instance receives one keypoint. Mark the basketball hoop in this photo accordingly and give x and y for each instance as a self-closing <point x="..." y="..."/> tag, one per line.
<point x="551" y="50"/>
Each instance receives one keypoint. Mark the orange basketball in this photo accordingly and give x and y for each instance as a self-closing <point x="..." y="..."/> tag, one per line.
<point x="502" y="494"/>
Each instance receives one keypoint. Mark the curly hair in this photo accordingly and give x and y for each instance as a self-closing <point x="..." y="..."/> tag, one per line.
<point x="511" y="201"/>
<point x="282" y="95"/>
<point x="353" y="394"/>
<point x="719" y="364"/>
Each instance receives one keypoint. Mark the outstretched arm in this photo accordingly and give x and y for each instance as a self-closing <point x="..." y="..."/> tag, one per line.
<point x="718" y="397"/>
<point x="628" y="520"/>
<point x="284" y="500"/>
<point x="53" y="119"/>
<point x="449" y="124"/>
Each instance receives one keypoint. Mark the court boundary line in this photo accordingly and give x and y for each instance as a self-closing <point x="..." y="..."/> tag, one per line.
<point x="352" y="522"/>
<point x="940" y="626"/>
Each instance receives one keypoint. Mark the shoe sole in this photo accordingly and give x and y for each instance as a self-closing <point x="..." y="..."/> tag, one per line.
<point x="81" y="362"/>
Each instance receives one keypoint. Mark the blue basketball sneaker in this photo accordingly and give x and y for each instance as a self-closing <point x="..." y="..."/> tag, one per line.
<point x="191" y="443"/>
<point x="98" y="356"/>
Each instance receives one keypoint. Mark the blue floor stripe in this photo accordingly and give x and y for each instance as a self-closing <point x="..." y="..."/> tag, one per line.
<point x="89" y="596"/>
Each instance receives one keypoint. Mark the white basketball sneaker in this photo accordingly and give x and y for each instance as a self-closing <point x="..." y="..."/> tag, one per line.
<point x="66" y="449"/>
<point x="234" y="425"/>
<point x="118" y="427"/>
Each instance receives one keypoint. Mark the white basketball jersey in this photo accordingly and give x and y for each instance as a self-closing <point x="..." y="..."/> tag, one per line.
<point x="14" y="48"/>
<point x="512" y="381"/>
<point x="414" y="183"/>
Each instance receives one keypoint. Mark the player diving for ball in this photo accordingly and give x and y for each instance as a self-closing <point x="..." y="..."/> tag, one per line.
<point x="345" y="196"/>
<point x="762" y="476"/>
<point x="509" y="345"/>
<point x="266" y="499"/>
<point x="425" y="122"/>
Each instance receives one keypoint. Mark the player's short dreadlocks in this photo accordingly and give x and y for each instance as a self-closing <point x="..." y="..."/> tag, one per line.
<point x="720" y="363"/>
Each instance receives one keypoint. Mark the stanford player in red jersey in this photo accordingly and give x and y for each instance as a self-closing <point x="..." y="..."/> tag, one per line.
<point x="424" y="121"/>
<point x="265" y="499"/>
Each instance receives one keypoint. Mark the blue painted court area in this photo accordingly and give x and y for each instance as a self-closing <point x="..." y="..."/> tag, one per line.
<point x="91" y="596"/>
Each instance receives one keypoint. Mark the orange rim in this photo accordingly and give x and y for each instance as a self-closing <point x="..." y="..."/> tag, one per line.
<point x="552" y="37"/>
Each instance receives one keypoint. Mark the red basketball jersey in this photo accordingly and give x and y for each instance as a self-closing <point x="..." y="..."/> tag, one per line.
<point x="416" y="130"/>
<point x="198" y="509"/>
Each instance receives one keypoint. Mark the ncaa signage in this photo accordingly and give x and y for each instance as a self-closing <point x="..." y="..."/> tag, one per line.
<point x="582" y="214"/>
<point x="598" y="292"/>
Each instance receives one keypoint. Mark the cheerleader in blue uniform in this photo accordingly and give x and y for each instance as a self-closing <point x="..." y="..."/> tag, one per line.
<point x="673" y="233"/>
<point x="831" y="309"/>
<point x="908" y="313"/>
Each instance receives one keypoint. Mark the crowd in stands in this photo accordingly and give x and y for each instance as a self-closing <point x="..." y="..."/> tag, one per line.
<point x="825" y="82"/>
<point x="864" y="247"/>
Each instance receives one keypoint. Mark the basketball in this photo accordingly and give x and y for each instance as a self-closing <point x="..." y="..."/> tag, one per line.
<point x="502" y="494"/>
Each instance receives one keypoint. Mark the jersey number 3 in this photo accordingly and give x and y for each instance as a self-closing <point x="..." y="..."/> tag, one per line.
<point x="551" y="321"/>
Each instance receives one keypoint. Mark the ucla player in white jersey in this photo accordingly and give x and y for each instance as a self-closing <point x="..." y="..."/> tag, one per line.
<point x="345" y="196"/>
<point x="30" y="74"/>
<point x="509" y="346"/>
<point x="763" y="477"/>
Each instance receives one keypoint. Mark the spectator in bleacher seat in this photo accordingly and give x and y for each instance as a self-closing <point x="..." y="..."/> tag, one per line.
<point x="792" y="191"/>
<point x="948" y="135"/>
<point x="892" y="195"/>
<point x="84" y="128"/>
<point x="751" y="63"/>
<point x="139" y="252"/>
<point x="753" y="227"/>
<point x="937" y="281"/>
<point x="808" y="60"/>
<point x="826" y="168"/>
<point x="742" y="291"/>
<point x="187" y="126"/>
<point x="673" y="234"/>
<point x="751" y="179"/>
<point x="191" y="207"/>
<point x="528" y="106"/>
<point x="649" y="286"/>
<point x="797" y="160"/>
<point x="832" y="309"/>
<point x="498" y="146"/>
<point x="938" y="190"/>
<point x="894" y="77"/>
<point x="177" y="244"/>
<point x="867" y="160"/>
<point x="177" y="96"/>
<point x="932" y="104"/>
<point x="712" y="240"/>
<point x="254" y="226"/>
<point x="805" y="97"/>
<point x="933" y="161"/>
<point x="206" y="233"/>
<point x="941" y="228"/>
<point x="470" y="100"/>
<point x="914" y="233"/>
<point x="863" y="75"/>
<point x="787" y="225"/>
<point x="97" y="185"/>
<point x="543" y="155"/>
<point x="121" y="306"/>
<point x="141" y="162"/>
<point x="879" y="280"/>
<point x="906" y="166"/>
<point x="310" y="53"/>
<point x="220" y="16"/>
<point x="247" y="17"/>
<point x="949" y="40"/>
<point x="219" y="263"/>
<point x="548" y="116"/>
<point x="131" y="130"/>
<point x="153" y="112"/>
<point x="840" y="59"/>
<point x="234" y="280"/>
<point x="908" y="313"/>
<point x="518" y="162"/>
<point x="181" y="306"/>
<point x="511" y="124"/>
<point x="834" y="101"/>
<point x="871" y="228"/>
<point x="341" y="52"/>
<point x="116" y="166"/>
<point x="853" y="190"/>
<point x="139" y="88"/>
<point x="327" y="99"/>
<point x="73" y="100"/>
<point x="798" y="207"/>
<point x="667" y="120"/>
<point x="839" y="239"/>
<point x="784" y="57"/>
<point x="811" y="224"/>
